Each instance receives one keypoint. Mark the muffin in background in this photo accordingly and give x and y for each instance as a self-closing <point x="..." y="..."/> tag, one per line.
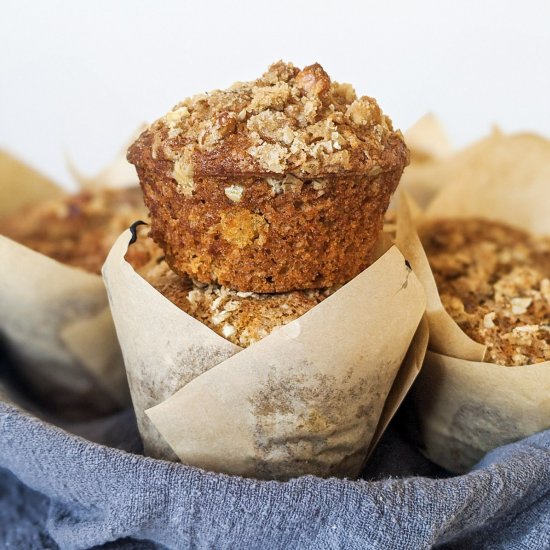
<point x="77" y="230"/>
<point x="494" y="281"/>
<point x="272" y="185"/>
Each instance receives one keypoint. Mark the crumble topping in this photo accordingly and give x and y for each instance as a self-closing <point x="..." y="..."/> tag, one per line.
<point x="241" y="317"/>
<point x="77" y="230"/>
<point x="494" y="280"/>
<point x="287" y="121"/>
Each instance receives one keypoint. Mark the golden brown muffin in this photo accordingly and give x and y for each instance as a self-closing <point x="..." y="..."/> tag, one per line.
<point x="494" y="280"/>
<point x="241" y="317"/>
<point x="271" y="185"/>
<point x="77" y="230"/>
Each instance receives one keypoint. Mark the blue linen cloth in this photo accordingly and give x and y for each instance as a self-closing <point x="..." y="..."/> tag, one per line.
<point x="60" y="490"/>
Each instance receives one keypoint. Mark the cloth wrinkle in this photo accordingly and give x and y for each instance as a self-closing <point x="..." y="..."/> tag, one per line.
<point x="59" y="490"/>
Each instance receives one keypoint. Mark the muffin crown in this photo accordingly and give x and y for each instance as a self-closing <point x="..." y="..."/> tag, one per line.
<point x="289" y="121"/>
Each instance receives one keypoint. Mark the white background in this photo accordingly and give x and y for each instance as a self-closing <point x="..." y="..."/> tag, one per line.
<point x="78" y="77"/>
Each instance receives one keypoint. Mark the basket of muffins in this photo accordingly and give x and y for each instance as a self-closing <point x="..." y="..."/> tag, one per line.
<point x="265" y="303"/>
<point x="484" y="258"/>
<point x="274" y="329"/>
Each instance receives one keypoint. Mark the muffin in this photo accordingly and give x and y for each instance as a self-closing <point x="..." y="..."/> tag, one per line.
<point x="77" y="230"/>
<point x="240" y="317"/>
<point x="272" y="185"/>
<point x="494" y="281"/>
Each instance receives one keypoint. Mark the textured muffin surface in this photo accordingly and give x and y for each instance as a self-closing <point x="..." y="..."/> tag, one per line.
<point x="287" y="121"/>
<point x="77" y="230"/>
<point x="494" y="280"/>
<point x="241" y="317"/>
<point x="271" y="185"/>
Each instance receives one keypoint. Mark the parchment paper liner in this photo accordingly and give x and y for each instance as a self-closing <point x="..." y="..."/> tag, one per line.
<point x="429" y="145"/>
<point x="427" y="140"/>
<point x="466" y="407"/>
<point x="20" y="185"/>
<point x="55" y="318"/>
<point x="311" y="398"/>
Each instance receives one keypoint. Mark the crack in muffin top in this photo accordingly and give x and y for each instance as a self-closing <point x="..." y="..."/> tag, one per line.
<point x="289" y="121"/>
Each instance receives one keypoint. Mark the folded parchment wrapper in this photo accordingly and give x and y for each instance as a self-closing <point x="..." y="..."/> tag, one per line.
<point x="21" y="185"/>
<point x="466" y="407"/>
<point x="427" y="140"/>
<point x="54" y="318"/>
<point x="313" y="397"/>
<point x="428" y="143"/>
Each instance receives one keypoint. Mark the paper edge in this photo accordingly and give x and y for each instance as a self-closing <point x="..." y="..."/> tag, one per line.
<point x="407" y="239"/>
<point x="422" y="334"/>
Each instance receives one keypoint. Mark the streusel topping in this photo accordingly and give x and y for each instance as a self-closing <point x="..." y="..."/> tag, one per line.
<point x="494" y="280"/>
<point x="288" y="121"/>
<point x="77" y="230"/>
<point x="240" y="317"/>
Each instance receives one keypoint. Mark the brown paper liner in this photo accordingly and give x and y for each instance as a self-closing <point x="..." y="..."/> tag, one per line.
<point x="313" y="397"/>
<point x="21" y="185"/>
<point x="466" y="407"/>
<point x="428" y="144"/>
<point x="55" y="318"/>
<point x="427" y="140"/>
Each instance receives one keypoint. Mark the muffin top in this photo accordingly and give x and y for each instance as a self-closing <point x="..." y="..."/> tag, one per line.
<point x="289" y="121"/>
<point x="240" y="317"/>
<point x="494" y="280"/>
<point x="77" y="230"/>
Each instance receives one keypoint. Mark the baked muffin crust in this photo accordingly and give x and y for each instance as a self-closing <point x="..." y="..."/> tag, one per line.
<point x="271" y="185"/>
<point x="494" y="280"/>
<point x="287" y="121"/>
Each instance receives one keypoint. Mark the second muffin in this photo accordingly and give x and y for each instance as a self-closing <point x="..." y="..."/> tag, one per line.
<point x="76" y="230"/>
<point x="494" y="281"/>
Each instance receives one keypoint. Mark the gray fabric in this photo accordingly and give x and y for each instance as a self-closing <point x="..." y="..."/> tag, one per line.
<point x="68" y="491"/>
